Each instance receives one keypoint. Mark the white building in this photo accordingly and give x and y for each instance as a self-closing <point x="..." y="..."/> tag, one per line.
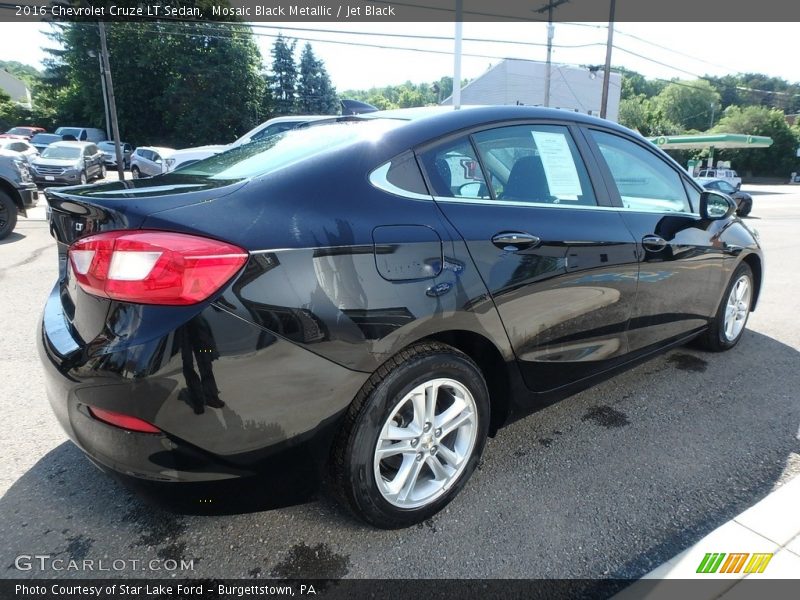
<point x="522" y="82"/>
<point x="15" y="88"/>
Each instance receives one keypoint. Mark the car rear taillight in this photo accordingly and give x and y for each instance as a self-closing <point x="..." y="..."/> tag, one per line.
<point x="153" y="267"/>
<point x="123" y="421"/>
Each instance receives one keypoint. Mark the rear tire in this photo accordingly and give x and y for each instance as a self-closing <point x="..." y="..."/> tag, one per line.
<point x="412" y="437"/>
<point x="729" y="323"/>
<point x="102" y="172"/>
<point x="135" y="174"/>
<point x="8" y="215"/>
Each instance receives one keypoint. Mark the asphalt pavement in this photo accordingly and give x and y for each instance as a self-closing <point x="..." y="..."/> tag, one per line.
<point x="607" y="484"/>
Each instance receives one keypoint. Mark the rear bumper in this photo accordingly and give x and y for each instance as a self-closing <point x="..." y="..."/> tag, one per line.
<point x="233" y="401"/>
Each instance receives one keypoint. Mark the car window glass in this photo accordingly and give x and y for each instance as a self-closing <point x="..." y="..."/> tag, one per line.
<point x="453" y="170"/>
<point x="726" y="187"/>
<point x="404" y="173"/>
<point x="644" y="181"/>
<point x="693" y="194"/>
<point x="272" y="130"/>
<point x="535" y="163"/>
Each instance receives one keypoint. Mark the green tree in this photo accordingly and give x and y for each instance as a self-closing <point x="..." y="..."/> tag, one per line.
<point x="168" y="80"/>
<point x="282" y="81"/>
<point x="315" y="93"/>
<point x="642" y="114"/>
<point x="779" y="159"/>
<point x="689" y="104"/>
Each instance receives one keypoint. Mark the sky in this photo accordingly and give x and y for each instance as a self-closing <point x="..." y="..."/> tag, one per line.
<point x="666" y="50"/>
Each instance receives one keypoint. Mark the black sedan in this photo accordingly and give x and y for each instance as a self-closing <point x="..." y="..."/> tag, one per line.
<point x="361" y="303"/>
<point x="744" y="201"/>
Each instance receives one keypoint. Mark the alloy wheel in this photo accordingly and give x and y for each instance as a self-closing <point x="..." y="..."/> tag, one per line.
<point x="737" y="308"/>
<point x="425" y="444"/>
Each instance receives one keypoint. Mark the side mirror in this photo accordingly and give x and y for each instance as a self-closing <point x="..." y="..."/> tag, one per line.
<point x="716" y="205"/>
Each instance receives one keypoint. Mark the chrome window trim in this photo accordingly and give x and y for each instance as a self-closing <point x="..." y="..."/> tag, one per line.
<point x="378" y="178"/>
<point x="565" y="205"/>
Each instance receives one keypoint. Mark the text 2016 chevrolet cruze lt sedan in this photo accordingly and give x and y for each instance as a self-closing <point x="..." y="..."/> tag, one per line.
<point x="362" y="302"/>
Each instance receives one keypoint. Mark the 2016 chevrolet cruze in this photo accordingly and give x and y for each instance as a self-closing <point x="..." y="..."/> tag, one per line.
<point x="363" y="301"/>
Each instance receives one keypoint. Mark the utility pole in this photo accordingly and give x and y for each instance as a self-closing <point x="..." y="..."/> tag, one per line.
<point x="457" y="59"/>
<point x="550" y="32"/>
<point x="112" y="103"/>
<point x="607" y="70"/>
<point x="713" y="110"/>
<point x="105" y="94"/>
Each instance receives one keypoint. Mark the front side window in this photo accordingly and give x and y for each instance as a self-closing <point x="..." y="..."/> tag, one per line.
<point x="645" y="182"/>
<point x="535" y="163"/>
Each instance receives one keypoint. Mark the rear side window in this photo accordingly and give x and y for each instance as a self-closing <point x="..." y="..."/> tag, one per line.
<point x="404" y="173"/>
<point x="453" y="170"/>
<point x="645" y="181"/>
<point x="535" y="163"/>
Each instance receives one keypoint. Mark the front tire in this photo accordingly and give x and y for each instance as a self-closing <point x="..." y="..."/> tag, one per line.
<point x="728" y="325"/>
<point x="84" y="179"/>
<point x="412" y="437"/>
<point x="745" y="209"/>
<point x="135" y="174"/>
<point x="102" y="172"/>
<point x="8" y="215"/>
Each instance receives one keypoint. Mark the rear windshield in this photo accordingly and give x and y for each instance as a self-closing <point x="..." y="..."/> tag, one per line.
<point x="281" y="150"/>
<point x="20" y="131"/>
<point x="61" y="152"/>
<point x="107" y="146"/>
<point x="45" y="138"/>
<point x="73" y="131"/>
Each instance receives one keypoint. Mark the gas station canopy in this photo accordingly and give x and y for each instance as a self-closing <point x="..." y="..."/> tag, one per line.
<point x="706" y="140"/>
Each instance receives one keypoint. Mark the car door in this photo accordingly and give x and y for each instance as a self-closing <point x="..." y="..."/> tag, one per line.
<point x="680" y="254"/>
<point x="555" y="256"/>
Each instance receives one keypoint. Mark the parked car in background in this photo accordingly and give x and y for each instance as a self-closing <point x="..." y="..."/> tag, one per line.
<point x="706" y="175"/>
<point x="744" y="201"/>
<point x="332" y="306"/>
<point x="23" y="132"/>
<point x="109" y="151"/>
<point x="147" y="161"/>
<point x="40" y="141"/>
<point x="82" y="134"/>
<point x="188" y="156"/>
<point x="18" y="192"/>
<point x="68" y="163"/>
<point x="25" y="149"/>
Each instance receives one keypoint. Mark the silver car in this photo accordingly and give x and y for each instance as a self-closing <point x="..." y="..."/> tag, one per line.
<point x="147" y="161"/>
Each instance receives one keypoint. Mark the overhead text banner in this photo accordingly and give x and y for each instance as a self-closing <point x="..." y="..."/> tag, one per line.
<point x="378" y="11"/>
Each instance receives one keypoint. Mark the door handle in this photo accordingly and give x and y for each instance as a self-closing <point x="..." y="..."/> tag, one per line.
<point x="515" y="240"/>
<point x="654" y="243"/>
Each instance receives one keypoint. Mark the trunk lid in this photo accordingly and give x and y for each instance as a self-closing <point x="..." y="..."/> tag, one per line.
<point x="78" y="212"/>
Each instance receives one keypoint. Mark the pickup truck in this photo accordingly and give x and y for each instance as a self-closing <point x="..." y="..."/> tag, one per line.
<point x="18" y="192"/>
<point x="707" y="175"/>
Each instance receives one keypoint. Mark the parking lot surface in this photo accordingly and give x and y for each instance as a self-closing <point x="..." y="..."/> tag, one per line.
<point x="607" y="484"/>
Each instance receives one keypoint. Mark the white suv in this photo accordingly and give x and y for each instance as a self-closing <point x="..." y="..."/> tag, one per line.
<point x="728" y="175"/>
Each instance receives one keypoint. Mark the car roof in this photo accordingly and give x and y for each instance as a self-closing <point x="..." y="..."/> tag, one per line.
<point x="71" y="144"/>
<point x="428" y="123"/>
<point x="159" y="149"/>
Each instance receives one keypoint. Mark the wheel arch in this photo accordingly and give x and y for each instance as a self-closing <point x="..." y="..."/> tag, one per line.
<point x="12" y="193"/>
<point x="754" y="262"/>
<point x="494" y="369"/>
